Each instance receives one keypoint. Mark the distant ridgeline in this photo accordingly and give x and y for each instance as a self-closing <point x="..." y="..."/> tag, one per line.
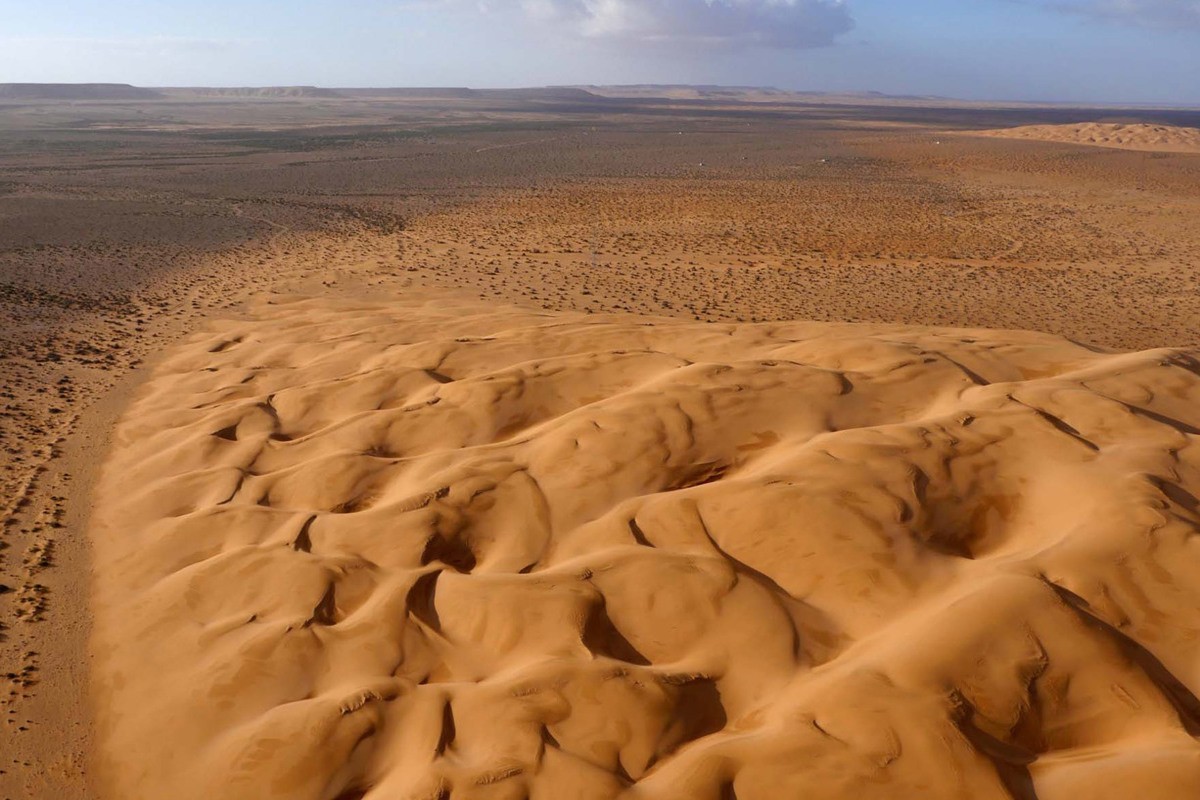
<point x="75" y="91"/>
<point x="124" y="91"/>
<point x="252" y="91"/>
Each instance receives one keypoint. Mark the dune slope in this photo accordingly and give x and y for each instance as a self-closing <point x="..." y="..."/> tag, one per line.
<point x="434" y="551"/>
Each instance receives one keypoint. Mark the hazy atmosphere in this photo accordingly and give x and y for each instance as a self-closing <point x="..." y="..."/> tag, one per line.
<point x="1145" y="51"/>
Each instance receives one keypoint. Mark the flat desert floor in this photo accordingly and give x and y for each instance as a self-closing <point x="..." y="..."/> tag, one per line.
<point x="544" y="444"/>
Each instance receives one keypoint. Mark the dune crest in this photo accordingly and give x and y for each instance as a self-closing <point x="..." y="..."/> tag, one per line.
<point x="1134" y="136"/>
<point x="368" y="550"/>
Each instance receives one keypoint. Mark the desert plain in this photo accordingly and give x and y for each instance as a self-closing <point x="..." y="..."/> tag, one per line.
<point x="638" y="442"/>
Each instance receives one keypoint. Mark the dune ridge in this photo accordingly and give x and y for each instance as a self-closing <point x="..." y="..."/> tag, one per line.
<point x="430" y="550"/>
<point x="1132" y="136"/>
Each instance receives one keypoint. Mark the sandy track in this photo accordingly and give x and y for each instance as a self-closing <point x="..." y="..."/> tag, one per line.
<point x="393" y="550"/>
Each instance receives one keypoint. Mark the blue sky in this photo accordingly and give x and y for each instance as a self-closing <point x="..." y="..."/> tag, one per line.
<point x="1074" y="50"/>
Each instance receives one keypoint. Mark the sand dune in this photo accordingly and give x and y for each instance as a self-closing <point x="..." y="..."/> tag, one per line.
<point x="426" y="551"/>
<point x="1135" y="136"/>
<point x="122" y="234"/>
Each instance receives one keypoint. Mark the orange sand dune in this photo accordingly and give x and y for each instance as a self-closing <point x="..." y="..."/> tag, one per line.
<point x="1136" y="136"/>
<point x="407" y="550"/>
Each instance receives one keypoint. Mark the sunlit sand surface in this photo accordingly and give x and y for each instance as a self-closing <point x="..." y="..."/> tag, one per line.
<point x="397" y="549"/>
<point x="1133" y="136"/>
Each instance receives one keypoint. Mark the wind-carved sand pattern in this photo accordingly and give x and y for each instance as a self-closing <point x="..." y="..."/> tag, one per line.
<point x="433" y="551"/>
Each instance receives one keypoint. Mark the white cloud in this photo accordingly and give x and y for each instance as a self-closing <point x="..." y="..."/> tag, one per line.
<point x="1155" y="13"/>
<point x="730" y="23"/>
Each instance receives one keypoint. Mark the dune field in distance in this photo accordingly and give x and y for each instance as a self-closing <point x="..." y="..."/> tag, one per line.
<point x="1138" y="136"/>
<point x="600" y="443"/>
